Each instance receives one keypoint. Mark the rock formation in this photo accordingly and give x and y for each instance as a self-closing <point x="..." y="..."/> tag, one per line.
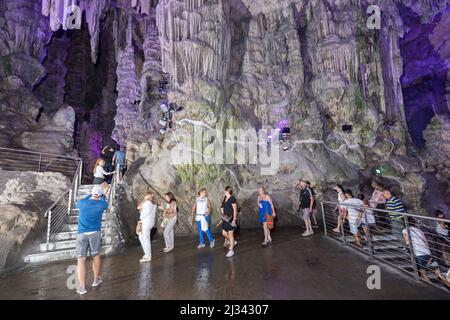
<point x="24" y="198"/>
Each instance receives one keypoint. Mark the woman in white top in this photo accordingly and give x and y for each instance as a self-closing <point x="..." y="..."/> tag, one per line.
<point x="202" y="211"/>
<point x="340" y="199"/>
<point x="99" y="171"/>
<point x="147" y="220"/>
<point x="420" y="247"/>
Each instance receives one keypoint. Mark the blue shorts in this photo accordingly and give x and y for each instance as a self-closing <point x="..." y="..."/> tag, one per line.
<point x="354" y="228"/>
<point x="422" y="261"/>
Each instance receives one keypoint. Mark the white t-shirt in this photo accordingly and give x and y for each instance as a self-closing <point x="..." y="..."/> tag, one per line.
<point x="370" y="216"/>
<point x="202" y="208"/>
<point x="341" y="197"/>
<point x="148" y="212"/>
<point x="441" y="230"/>
<point x="419" y="242"/>
<point x="354" y="210"/>
<point x="100" y="172"/>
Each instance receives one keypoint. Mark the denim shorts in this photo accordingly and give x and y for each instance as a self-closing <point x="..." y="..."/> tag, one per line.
<point x="422" y="261"/>
<point x="92" y="241"/>
<point x="354" y="227"/>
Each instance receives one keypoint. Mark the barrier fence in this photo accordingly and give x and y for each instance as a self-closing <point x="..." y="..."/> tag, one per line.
<point x="415" y="244"/>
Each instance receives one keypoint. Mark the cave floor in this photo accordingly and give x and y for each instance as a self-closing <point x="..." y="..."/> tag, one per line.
<point x="292" y="268"/>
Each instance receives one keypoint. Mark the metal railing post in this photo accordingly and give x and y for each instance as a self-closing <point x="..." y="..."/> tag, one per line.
<point x="49" y="224"/>
<point x="40" y="161"/>
<point x="368" y="235"/>
<point x="342" y="225"/>
<point x="411" y="249"/>
<point x="69" y="203"/>
<point x="80" y="173"/>
<point x="324" y="219"/>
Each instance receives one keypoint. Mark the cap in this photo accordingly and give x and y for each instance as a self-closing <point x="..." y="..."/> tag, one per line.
<point x="97" y="191"/>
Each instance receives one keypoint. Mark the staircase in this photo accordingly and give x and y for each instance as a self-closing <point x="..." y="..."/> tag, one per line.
<point x="63" y="224"/>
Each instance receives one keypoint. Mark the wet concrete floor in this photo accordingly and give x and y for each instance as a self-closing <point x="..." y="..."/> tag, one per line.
<point x="292" y="268"/>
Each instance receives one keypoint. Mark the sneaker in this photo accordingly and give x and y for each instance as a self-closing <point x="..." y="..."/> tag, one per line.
<point x="81" y="291"/>
<point x="311" y="233"/>
<point x="201" y="245"/>
<point x="434" y="264"/>
<point x="168" y="250"/>
<point x="305" y="234"/>
<point x="212" y="244"/>
<point x="230" y="254"/>
<point x="145" y="259"/>
<point x="97" y="283"/>
<point x="264" y="243"/>
<point x="336" y="230"/>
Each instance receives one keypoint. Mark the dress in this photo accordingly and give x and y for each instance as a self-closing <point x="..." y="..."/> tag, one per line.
<point x="264" y="207"/>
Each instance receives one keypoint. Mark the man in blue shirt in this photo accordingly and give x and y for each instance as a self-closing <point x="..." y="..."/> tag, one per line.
<point x="89" y="235"/>
<point x="119" y="161"/>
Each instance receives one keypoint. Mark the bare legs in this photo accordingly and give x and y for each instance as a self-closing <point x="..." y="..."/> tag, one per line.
<point x="81" y="270"/>
<point x="267" y="237"/>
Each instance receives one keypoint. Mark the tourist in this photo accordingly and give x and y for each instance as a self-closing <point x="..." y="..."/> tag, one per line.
<point x="147" y="221"/>
<point x="306" y="204"/>
<point x="99" y="172"/>
<point x="169" y="219"/>
<point x="444" y="279"/>
<point x="352" y="211"/>
<point x="313" y="210"/>
<point x="266" y="214"/>
<point x="229" y="220"/>
<point x="366" y="216"/>
<point x="395" y="207"/>
<point x="420" y="247"/>
<point x="378" y="202"/>
<point x="89" y="236"/>
<point x="340" y="199"/>
<point x="108" y="154"/>
<point x="118" y="161"/>
<point x="442" y="239"/>
<point x="202" y="211"/>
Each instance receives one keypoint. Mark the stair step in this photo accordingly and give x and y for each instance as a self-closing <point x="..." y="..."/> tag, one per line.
<point x="71" y="244"/>
<point x="69" y="235"/>
<point x="74" y="218"/>
<point x="74" y="226"/>
<point x="61" y="255"/>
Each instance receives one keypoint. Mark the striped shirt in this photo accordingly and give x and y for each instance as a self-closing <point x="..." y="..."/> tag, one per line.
<point x="395" y="205"/>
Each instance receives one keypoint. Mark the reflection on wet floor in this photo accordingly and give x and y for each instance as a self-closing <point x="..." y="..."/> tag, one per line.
<point x="293" y="267"/>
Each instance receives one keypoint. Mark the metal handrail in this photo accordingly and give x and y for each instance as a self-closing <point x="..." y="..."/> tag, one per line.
<point x="385" y="242"/>
<point x="111" y="200"/>
<point x="24" y="160"/>
<point x="58" y="212"/>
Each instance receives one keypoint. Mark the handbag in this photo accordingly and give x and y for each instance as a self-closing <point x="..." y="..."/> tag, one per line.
<point x="164" y="223"/>
<point x="269" y="221"/>
<point x="139" y="229"/>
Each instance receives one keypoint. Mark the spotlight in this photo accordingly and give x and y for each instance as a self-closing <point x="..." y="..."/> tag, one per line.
<point x="162" y="131"/>
<point x="175" y="107"/>
<point x="347" y="128"/>
<point x="163" y="122"/>
<point x="164" y="107"/>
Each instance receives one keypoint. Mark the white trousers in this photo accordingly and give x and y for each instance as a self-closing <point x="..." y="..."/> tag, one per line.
<point x="144" y="238"/>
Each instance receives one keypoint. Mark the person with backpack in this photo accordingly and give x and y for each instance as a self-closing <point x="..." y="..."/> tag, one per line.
<point x="313" y="210"/>
<point x="266" y="214"/>
<point x="306" y="205"/>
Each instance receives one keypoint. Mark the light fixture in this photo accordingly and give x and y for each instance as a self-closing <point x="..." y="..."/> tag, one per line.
<point x="347" y="128"/>
<point x="162" y="131"/>
<point x="163" y="122"/>
<point x="164" y="107"/>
